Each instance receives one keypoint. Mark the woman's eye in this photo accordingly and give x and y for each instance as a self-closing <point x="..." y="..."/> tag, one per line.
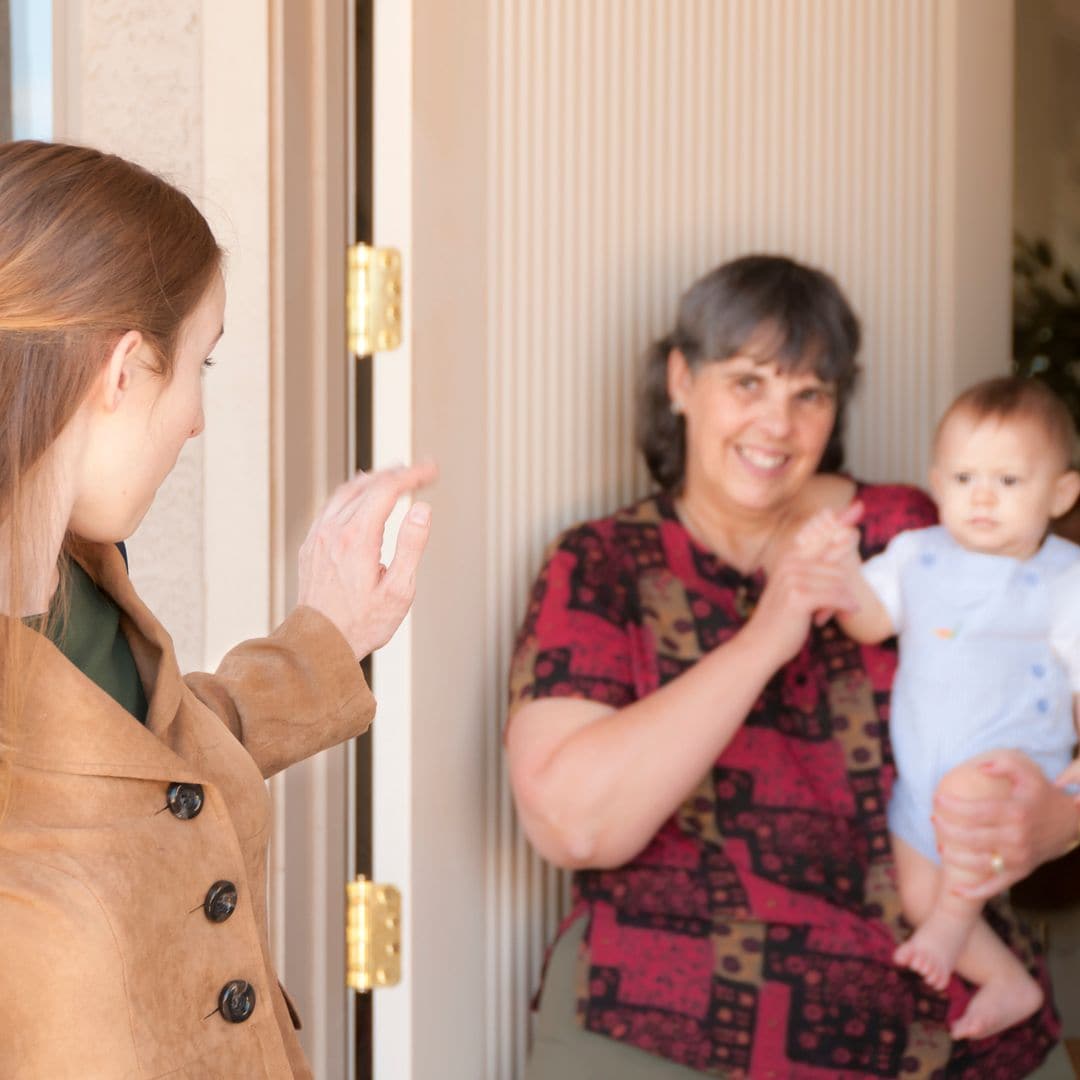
<point x="748" y="382"/>
<point x="209" y="362"/>
<point x="814" y="394"/>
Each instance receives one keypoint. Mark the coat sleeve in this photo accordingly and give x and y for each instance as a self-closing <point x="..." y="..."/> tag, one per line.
<point x="290" y="695"/>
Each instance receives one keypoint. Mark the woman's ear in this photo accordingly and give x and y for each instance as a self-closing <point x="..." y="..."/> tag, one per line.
<point x="679" y="378"/>
<point x="1066" y="492"/>
<point x="119" y="370"/>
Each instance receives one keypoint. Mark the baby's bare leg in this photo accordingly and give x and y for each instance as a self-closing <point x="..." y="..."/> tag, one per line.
<point x="943" y="922"/>
<point x="955" y="937"/>
<point x="952" y="935"/>
<point x="1007" y="993"/>
<point x="943" y="919"/>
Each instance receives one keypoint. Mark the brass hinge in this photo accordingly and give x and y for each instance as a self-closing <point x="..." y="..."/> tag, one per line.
<point x="372" y="935"/>
<point x="373" y="299"/>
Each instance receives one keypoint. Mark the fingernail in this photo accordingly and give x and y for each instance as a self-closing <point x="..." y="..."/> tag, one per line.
<point x="420" y="513"/>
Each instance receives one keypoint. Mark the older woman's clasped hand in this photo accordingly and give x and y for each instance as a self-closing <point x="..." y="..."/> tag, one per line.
<point x="799" y="587"/>
<point x="341" y="575"/>
<point x="806" y="585"/>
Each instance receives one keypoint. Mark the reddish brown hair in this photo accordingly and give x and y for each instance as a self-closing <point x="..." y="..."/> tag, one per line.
<point x="91" y="246"/>
<point x="1011" y="397"/>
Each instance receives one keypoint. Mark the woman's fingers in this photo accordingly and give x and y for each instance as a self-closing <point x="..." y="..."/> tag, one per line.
<point x="851" y="514"/>
<point x="825" y="586"/>
<point x="810" y="586"/>
<point x="968" y="814"/>
<point x="377" y="495"/>
<point x="989" y="887"/>
<point x="798" y="589"/>
<point x="340" y="571"/>
<point x="344" y="494"/>
<point x="1000" y="840"/>
<point x="991" y="859"/>
<point x="1069" y="777"/>
<point x="400" y="576"/>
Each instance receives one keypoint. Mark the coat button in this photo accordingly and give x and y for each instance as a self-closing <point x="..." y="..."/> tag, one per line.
<point x="220" y="901"/>
<point x="185" y="800"/>
<point x="237" y="1001"/>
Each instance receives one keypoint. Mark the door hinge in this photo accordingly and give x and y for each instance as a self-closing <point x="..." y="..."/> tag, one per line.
<point x="373" y="299"/>
<point x="372" y="935"/>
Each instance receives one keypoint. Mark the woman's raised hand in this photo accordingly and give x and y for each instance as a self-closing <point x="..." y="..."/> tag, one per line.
<point x="798" y="587"/>
<point x="831" y="536"/>
<point x="340" y="572"/>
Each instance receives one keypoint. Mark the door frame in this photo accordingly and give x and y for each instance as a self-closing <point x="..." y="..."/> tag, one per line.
<point x="309" y="457"/>
<point x="392" y="443"/>
<point x="311" y="123"/>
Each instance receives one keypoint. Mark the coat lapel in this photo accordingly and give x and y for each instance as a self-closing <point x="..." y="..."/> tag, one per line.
<point x="70" y="724"/>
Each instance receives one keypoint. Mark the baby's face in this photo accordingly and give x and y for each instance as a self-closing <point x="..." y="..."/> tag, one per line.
<point x="998" y="483"/>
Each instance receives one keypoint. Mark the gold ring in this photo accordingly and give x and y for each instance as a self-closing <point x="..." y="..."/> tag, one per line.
<point x="997" y="863"/>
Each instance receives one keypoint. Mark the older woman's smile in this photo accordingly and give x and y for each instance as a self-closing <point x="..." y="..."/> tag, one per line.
<point x="764" y="460"/>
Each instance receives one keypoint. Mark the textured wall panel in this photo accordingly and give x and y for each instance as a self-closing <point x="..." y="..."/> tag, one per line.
<point x="134" y="74"/>
<point x="632" y="145"/>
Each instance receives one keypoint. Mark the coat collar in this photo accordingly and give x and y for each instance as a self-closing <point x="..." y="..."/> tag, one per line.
<point x="69" y="724"/>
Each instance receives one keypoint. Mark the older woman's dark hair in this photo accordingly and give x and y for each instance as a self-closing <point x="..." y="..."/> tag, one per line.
<point x="807" y="325"/>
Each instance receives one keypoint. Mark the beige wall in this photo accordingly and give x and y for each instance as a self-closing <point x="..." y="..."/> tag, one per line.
<point x="158" y="81"/>
<point x="132" y="83"/>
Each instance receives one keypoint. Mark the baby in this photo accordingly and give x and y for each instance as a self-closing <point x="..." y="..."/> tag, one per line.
<point x="987" y="609"/>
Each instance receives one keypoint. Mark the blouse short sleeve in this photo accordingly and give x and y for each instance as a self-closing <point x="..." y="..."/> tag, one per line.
<point x="576" y="639"/>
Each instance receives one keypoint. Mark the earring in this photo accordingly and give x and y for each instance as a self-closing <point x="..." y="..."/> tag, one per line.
<point x="675" y="407"/>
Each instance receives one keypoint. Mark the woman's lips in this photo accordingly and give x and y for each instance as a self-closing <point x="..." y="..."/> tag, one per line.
<point x="762" y="460"/>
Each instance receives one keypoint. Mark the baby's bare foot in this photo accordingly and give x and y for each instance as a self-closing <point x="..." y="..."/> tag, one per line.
<point x="997" y="1006"/>
<point x="932" y="950"/>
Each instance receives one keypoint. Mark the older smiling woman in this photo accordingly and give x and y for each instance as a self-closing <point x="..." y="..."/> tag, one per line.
<point x="710" y="754"/>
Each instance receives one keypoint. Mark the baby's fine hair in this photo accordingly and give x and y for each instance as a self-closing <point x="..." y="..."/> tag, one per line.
<point x="1011" y="397"/>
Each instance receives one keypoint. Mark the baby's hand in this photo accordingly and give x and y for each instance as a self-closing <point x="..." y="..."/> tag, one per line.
<point x="830" y="536"/>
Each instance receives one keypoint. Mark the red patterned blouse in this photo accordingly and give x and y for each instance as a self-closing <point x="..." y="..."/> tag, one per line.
<point x="753" y="936"/>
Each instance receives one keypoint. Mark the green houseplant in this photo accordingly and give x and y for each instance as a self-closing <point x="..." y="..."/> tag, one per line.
<point x="1046" y="321"/>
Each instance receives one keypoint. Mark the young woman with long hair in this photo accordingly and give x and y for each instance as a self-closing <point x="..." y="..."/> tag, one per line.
<point x="134" y="819"/>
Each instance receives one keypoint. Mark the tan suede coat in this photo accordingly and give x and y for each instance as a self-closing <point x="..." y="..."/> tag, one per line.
<point x="109" y="966"/>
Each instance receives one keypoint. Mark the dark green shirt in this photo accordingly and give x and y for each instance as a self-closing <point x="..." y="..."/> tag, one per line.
<point x="92" y="640"/>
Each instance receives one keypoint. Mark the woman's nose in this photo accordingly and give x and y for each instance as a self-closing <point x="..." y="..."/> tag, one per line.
<point x="776" y="415"/>
<point x="200" y="423"/>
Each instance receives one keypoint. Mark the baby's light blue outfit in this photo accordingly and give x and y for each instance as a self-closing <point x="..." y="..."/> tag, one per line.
<point x="989" y="659"/>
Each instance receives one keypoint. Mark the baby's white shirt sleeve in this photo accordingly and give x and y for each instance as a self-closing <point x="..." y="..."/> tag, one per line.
<point x="1065" y="623"/>
<point x="882" y="573"/>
